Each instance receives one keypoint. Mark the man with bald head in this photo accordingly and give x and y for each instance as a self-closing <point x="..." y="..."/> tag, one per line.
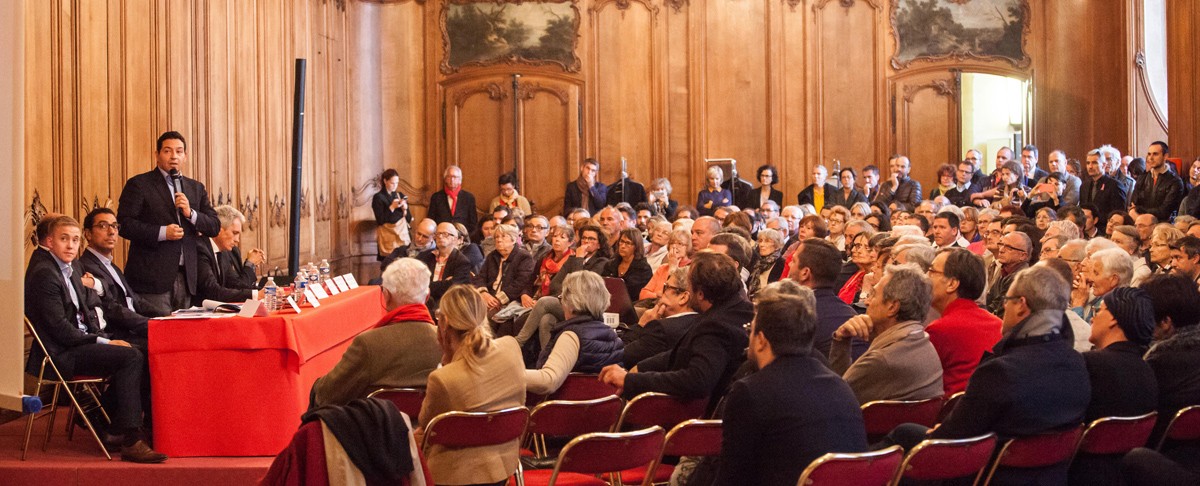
<point x="1015" y="249"/>
<point x="422" y="240"/>
<point x="900" y="189"/>
<point x="703" y="230"/>
<point x="447" y="265"/>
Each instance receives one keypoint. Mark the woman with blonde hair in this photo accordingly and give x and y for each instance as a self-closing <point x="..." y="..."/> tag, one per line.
<point x="478" y="374"/>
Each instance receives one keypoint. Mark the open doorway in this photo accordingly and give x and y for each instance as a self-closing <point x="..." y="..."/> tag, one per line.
<point x="995" y="113"/>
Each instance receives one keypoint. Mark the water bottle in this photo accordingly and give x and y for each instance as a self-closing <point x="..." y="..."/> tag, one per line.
<point x="298" y="286"/>
<point x="314" y="275"/>
<point x="270" y="294"/>
<point x="325" y="269"/>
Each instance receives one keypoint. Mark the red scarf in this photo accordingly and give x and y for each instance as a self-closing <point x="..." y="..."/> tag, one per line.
<point x="849" y="292"/>
<point x="549" y="269"/>
<point x="453" y="196"/>
<point x="406" y="313"/>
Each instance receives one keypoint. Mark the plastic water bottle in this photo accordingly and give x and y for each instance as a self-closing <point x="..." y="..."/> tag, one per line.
<point x="271" y="294"/>
<point x="298" y="286"/>
<point x="324" y="269"/>
<point x="314" y="275"/>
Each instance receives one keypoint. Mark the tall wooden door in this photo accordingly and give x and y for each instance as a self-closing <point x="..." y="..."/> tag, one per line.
<point x="926" y="122"/>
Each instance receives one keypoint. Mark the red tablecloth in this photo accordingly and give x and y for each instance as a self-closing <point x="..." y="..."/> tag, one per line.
<point x="237" y="386"/>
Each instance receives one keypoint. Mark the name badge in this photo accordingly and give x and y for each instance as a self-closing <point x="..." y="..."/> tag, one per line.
<point x="312" y="298"/>
<point x="349" y="277"/>
<point x="291" y="300"/>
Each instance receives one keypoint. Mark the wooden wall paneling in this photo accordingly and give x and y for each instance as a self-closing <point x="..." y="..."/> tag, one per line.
<point x="790" y="87"/>
<point x="248" y="158"/>
<point x="214" y="101"/>
<point x="479" y="132"/>
<point x="411" y="122"/>
<point x="1148" y="123"/>
<point x="548" y="135"/>
<point x="624" y="92"/>
<point x="681" y="77"/>
<point x="339" y="162"/>
<point x="927" y="127"/>
<point x="847" y="62"/>
<point x="364" y="137"/>
<point x="40" y="68"/>
<point x="1183" y="77"/>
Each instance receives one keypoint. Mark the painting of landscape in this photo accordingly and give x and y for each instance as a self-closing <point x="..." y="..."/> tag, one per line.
<point x="939" y="29"/>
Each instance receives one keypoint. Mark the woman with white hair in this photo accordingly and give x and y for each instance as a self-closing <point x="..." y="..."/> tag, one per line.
<point x="1162" y="238"/>
<point x="478" y="374"/>
<point x="659" y="198"/>
<point x="1126" y="237"/>
<point x="1107" y="270"/>
<point x="768" y="266"/>
<point x="582" y="343"/>
<point x="712" y="196"/>
<point x="400" y="351"/>
<point x="507" y="274"/>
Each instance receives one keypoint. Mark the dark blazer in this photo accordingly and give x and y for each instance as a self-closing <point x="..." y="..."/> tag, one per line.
<point x="981" y="180"/>
<point x="832" y="312"/>
<point x="475" y="255"/>
<point x="1031" y="180"/>
<point x="456" y="271"/>
<point x="1123" y="384"/>
<point x="237" y="273"/>
<point x="517" y="278"/>
<point x="838" y="198"/>
<point x="50" y="309"/>
<point x="573" y="198"/>
<point x="743" y="189"/>
<point x="1176" y="364"/>
<point x="962" y="198"/>
<point x="146" y="205"/>
<point x="213" y="282"/>
<point x="1109" y="197"/>
<point x="574" y="264"/>
<point x="634" y="193"/>
<point x="123" y="322"/>
<point x="656" y="336"/>
<point x="464" y="210"/>
<point x="805" y="196"/>
<point x="779" y="419"/>
<point x="1161" y="199"/>
<point x="908" y="192"/>
<point x="703" y="361"/>
<point x="750" y="199"/>
<point x="381" y="205"/>
<point x="636" y="277"/>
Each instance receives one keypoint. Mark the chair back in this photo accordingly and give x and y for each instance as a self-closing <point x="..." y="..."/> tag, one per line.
<point x="562" y="418"/>
<point x="476" y="429"/>
<point x="1117" y="435"/>
<point x="875" y="468"/>
<point x="46" y="360"/>
<point x="619" y="301"/>
<point x="942" y="459"/>
<point x="694" y="438"/>
<point x="582" y="386"/>
<point x="604" y="452"/>
<point x="1037" y="450"/>
<point x="660" y="409"/>
<point x="881" y="416"/>
<point x="1185" y="425"/>
<point x="407" y="400"/>
<point x="948" y="406"/>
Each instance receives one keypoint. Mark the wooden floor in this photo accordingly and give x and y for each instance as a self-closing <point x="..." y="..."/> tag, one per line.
<point x="81" y="462"/>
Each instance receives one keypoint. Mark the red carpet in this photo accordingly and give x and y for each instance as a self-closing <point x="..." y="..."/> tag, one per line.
<point x="80" y="462"/>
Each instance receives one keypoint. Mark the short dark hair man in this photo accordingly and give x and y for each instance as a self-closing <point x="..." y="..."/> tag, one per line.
<point x="1185" y="257"/>
<point x="1159" y="191"/>
<point x="816" y="265"/>
<point x="964" y="332"/>
<point x="793" y="409"/>
<point x="586" y="191"/>
<point x="946" y="231"/>
<point x="100" y="228"/>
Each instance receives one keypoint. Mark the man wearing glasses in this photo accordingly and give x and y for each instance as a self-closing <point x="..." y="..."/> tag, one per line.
<point x="960" y="195"/>
<point x="124" y="322"/>
<point x="660" y="328"/>
<point x="447" y="265"/>
<point x="536" y="229"/>
<point x="1014" y="249"/>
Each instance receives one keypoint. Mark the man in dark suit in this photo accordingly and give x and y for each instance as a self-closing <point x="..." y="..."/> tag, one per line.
<point x="455" y="267"/>
<point x="662" y="326"/>
<point x="586" y="191"/>
<point x="1158" y="191"/>
<point x="794" y="409"/>
<point x="223" y="276"/>
<point x="826" y="191"/>
<point x="964" y="188"/>
<point x="453" y="203"/>
<point x="900" y="190"/>
<point x="630" y="191"/>
<point x="1029" y="161"/>
<point x="120" y="312"/>
<point x="164" y="215"/>
<point x="57" y="304"/>
<point x="1100" y="190"/>
<point x="816" y="265"/>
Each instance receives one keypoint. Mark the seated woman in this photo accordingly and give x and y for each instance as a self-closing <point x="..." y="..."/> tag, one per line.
<point x="478" y="374"/>
<point x="630" y="264"/>
<point x="836" y="224"/>
<point x="507" y="275"/>
<point x="945" y="181"/>
<point x="863" y="256"/>
<point x="591" y="254"/>
<point x="768" y="266"/>
<point x="561" y="239"/>
<point x="659" y="235"/>
<point x="581" y="343"/>
<point x="677" y="252"/>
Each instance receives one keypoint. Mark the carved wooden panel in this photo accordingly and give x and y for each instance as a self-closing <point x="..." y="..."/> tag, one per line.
<point x="479" y="133"/>
<point x="927" y="127"/>
<point x="548" y="134"/>
<point x="735" y="102"/>
<point x="847" y="62"/>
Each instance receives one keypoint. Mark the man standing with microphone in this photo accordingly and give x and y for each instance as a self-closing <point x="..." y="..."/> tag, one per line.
<point x="157" y="216"/>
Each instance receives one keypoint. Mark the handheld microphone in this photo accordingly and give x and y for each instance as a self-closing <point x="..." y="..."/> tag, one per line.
<point x="177" y="180"/>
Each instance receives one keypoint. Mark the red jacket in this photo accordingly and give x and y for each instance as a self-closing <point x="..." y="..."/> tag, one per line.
<point x="961" y="336"/>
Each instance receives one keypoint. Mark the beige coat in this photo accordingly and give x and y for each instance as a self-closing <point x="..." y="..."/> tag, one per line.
<point x="397" y="355"/>
<point x="495" y="382"/>
<point x="900" y="364"/>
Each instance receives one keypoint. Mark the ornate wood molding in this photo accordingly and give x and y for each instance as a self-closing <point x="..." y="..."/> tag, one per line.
<point x="624" y="5"/>
<point x="1139" y="60"/>
<point x="678" y="5"/>
<point x="363" y="193"/>
<point x="249" y="208"/>
<point x="526" y="91"/>
<point x="493" y="90"/>
<point x="33" y="215"/>
<point x="943" y="87"/>
<point x="278" y="212"/>
<point x="323" y="209"/>
<point x="343" y="205"/>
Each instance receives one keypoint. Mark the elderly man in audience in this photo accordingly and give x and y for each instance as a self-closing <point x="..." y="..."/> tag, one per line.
<point x="964" y="332"/>
<point x="222" y="276"/>
<point x="1126" y="237"/>
<point x="660" y="327"/>
<point x="582" y="343"/>
<point x="453" y="203"/>
<point x="900" y="191"/>
<point x="400" y="351"/>
<point x="448" y="266"/>
<point x="704" y="360"/>
<point x="422" y="240"/>
<point x="1099" y="190"/>
<point x="1015" y="250"/>
<point x="793" y="409"/>
<point x="900" y="363"/>
<point x="1011" y="392"/>
<point x="537" y="227"/>
<point x="820" y="193"/>
<point x="1106" y="270"/>
<point x="816" y="265"/>
<point x="703" y="229"/>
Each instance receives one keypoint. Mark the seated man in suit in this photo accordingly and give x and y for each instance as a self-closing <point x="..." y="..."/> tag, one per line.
<point x="124" y="322"/>
<point x="56" y="304"/>
<point x="422" y="240"/>
<point x="661" y="327"/>
<point x="448" y="265"/>
<point x="223" y="277"/>
<point x="793" y="409"/>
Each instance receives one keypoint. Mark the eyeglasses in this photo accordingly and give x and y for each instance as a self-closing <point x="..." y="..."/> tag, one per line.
<point x="678" y="290"/>
<point x="589" y="238"/>
<point x="537" y="227"/>
<point x="105" y="226"/>
<point x="443" y="234"/>
<point x="1011" y="248"/>
<point x="933" y="271"/>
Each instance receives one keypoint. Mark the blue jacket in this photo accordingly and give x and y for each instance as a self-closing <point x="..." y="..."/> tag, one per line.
<point x="599" y="345"/>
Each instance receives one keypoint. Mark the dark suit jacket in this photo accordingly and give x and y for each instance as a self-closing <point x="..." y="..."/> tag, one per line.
<point x="634" y="193"/>
<point x="636" y="277"/>
<point x="1031" y="180"/>
<point x="573" y="198"/>
<point x="805" y="196"/>
<point x="1161" y="199"/>
<point x="838" y="198"/>
<point x="212" y="281"/>
<point x="962" y="198"/>
<point x="123" y="322"/>
<point x="237" y="273"/>
<point x="517" y="276"/>
<point x="743" y="190"/>
<point x="381" y="205"/>
<point x="750" y="199"/>
<point x="908" y="192"/>
<point x="464" y="210"/>
<point x="456" y="271"/>
<point x="1110" y="196"/>
<point x="1123" y="384"/>
<point x="146" y="205"/>
<point x="781" y="418"/>
<point x="832" y="312"/>
<point x="656" y="336"/>
<point x="574" y="264"/>
<point x="50" y="309"/>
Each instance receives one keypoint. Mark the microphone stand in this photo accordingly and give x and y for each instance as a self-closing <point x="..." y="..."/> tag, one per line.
<point x="623" y="176"/>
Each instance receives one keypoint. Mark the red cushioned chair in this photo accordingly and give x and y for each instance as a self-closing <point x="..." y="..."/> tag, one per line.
<point x="408" y="400"/>
<point x="461" y="430"/>
<point x="948" y="406"/>
<point x="881" y="416"/>
<point x="659" y="409"/>
<point x="875" y="468"/>
<point x="1036" y="450"/>
<point x="619" y="302"/>
<point x="1185" y="425"/>
<point x="87" y="384"/>
<point x="586" y="457"/>
<point x="566" y="418"/>
<point x="583" y="386"/>
<point x="696" y="438"/>
<point x="1116" y="435"/>
<point x="942" y="459"/>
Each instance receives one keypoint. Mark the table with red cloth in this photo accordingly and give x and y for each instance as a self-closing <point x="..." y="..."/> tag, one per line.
<point x="236" y="386"/>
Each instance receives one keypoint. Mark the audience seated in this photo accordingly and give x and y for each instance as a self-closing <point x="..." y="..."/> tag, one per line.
<point x="815" y="265"/>
<point x="124" y="322"/>
<point x="422" y="240"/>
<point x="447" y="264"/>
<point x="964" y="332"/>
<point x="768" y="266"/>
<point x="677" y="256"/>
<point x="582" y="342"/>
<point x="1015" y="250"/>
<point x="630" y="263"/>
<point x="712" y="196"/>
<point x="400" y="351"/>
<point x="660" y="327"/>
<point x="793" y="409"/>
<point x="1175" y="353"/>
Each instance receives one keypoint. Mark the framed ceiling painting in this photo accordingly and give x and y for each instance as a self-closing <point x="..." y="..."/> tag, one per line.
<point x="986" y="30"/>
<point x="488" y="32"/>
